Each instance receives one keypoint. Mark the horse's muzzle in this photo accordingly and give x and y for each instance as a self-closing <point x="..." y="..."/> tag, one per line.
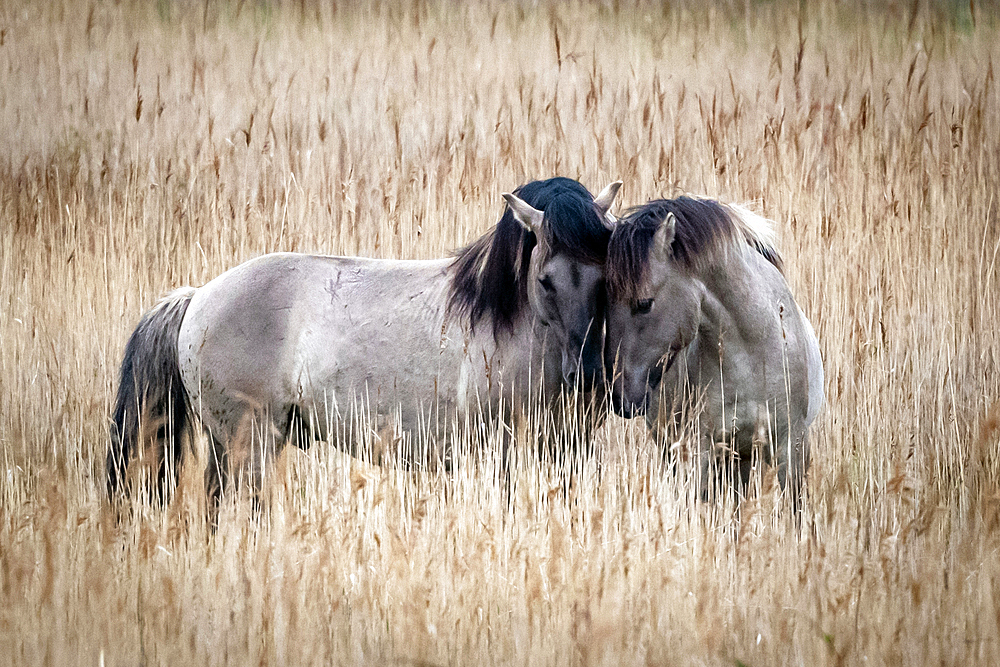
<point x="586" y="377"/>
<point x="629" y="399"/>
<point x="627" y="408"/>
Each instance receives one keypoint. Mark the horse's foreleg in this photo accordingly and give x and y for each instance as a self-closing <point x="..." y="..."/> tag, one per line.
<point x="298" y="431"/>
<point x="721" y="467"/>
<point x="792" y="459"/>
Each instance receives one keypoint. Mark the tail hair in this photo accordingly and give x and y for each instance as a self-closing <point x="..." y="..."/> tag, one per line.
<point x="152" y="415"/>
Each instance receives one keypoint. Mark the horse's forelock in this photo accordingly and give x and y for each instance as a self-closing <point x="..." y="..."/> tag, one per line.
<point x="490" y="274"/>
<point x="628" y="252"/>
<point x="573" y="226"/>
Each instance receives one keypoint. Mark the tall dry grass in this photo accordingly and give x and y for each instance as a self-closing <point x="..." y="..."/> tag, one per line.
<point x="149" y="145"/>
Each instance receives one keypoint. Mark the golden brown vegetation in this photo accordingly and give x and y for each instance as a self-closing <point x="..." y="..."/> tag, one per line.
<point x="149" y="145"/>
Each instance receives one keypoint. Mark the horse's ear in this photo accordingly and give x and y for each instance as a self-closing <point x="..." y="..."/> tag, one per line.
<point x="529" y="217"/>
<point x="603" y="202"/>
<point x="664" y="237"/>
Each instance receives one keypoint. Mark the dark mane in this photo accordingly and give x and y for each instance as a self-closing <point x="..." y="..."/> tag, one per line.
<point x="489" y="276"/>
<point x="704" y="228"/>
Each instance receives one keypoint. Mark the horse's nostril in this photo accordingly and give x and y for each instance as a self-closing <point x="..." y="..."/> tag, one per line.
<point x="623" y="408"/>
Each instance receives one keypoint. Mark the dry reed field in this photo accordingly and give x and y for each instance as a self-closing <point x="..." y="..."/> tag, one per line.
<point x="148" y="145"/>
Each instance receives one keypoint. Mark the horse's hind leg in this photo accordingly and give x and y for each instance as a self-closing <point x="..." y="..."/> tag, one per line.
<point x="255" y="449"/>
<point x="217" y="475"/>
<point x="746" y="468"/>
<point x="240" y="457"/>
<point x="799" y="466"/>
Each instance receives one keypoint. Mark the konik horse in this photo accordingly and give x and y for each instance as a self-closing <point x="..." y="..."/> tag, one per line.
<point x="295" y="347"/>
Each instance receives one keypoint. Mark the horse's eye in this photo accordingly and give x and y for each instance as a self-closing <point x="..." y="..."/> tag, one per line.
<point x="642" y="306"/>
<point x="547" y="284"/>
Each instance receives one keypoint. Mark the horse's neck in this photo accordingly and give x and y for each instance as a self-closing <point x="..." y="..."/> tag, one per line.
<point x="529" y="351"/>
<point x="510" y="365"/>
<point x="734" y="298"/>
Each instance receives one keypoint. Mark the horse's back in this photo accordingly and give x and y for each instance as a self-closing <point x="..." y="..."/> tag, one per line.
<point x="288" y="330"/>
<point x="377" y="333"/>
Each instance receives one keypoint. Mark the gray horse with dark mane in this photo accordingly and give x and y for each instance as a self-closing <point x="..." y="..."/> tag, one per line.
<point x="701" y="323"/>
<point x="395" y="353"/>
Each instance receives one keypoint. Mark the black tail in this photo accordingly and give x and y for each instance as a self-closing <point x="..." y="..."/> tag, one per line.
<point x="151" y="416"/>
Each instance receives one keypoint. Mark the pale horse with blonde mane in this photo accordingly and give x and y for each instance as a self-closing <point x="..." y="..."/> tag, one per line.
<point x="702" y="328"/>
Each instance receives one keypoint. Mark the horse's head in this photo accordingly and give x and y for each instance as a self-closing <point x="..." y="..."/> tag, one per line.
<point x="654" y="307"/>
<point x="566" y="274"/>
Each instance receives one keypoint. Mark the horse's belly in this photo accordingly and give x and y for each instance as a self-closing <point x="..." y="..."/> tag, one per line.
<point x="385" y="398"/>
<point x="403" y="379"/>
